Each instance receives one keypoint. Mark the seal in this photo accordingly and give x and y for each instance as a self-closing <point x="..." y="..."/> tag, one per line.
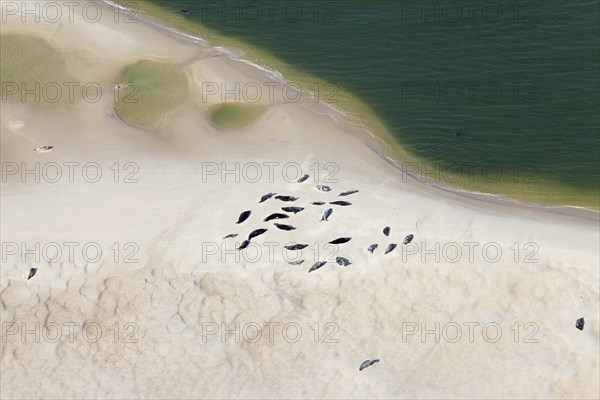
<point x="372" y="247"/>
<point x="348" y="192"/>
<point x="317" y="203"/>
<point x="340" y="203"/>
<point x="266" y="197"/>
<point x="326" y="214"/>
<point x="32" y="273"/>
<point x="323" y="188"/>
<point x="343" y="261"/>
<point x="276" y="216"/>
<point x="408" y="239"/>
<point x="294" y="210"/>
<point x="367" y="363"/>
<point x="284" y="227"/>
<point x="244" y="216"/>
<point x="580" y="323"/>
<point x="231" y="235"/>
<point x="297" y="262"/>
<point x="390" y="248"/>
<point x="386" y="231"/>
<point x="303" y="178"/>
<point x="255" y="233"/>
<point x="244" y="244"/>
<point x="295" y="246"/>
<point x="317" y="265"/>
<point x="43" y="149"/>
<point x="287" y="198"/>
<point x="341" y="240"/>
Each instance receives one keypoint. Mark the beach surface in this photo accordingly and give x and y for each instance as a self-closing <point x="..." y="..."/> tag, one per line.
<point x="137" y="294"/>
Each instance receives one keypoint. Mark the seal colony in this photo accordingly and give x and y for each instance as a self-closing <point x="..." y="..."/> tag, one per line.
<point x="291" y="211"/>
<point x="175" y="286"/>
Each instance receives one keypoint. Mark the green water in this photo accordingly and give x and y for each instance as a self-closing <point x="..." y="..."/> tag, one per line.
<point x="497" y="97"/>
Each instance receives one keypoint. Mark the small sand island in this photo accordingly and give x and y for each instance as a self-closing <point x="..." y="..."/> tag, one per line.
<point x="180" y="242"/>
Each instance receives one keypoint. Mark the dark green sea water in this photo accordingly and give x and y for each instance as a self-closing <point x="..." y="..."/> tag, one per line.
<point x="501" y="97"/>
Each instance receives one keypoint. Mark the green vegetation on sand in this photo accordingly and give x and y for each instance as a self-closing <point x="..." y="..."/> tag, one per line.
<point x="32" y="71"/>
<point x="150" y="91"/>
<point x="235" y="115"/>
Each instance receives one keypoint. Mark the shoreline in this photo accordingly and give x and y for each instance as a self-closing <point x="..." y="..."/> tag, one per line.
<point x="158" y="210"/>
<point x="374" y="141"/>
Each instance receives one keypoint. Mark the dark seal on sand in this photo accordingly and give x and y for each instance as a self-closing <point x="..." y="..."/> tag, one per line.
<point x="579" y="324"/>
<point x="276" y="216"/>
<point x="317" y="265"/>
<point x="287" y="198"/>
<point x="303" y="178"/>
<point x="32" y="273"/>
<point x="390" y="248"/>
<point x="367" y="363"/>
<point x="266" y="197"/>
<point x="295" y="246"/>
<point x="341" y="240"/>
<point x="243" y="216"/>
<point x="256" y="232"/>
<point x="284" y="227"/>
<point x="294" y="210"/>
<point x="341" y="203"/>
<point x="244" y="244"/>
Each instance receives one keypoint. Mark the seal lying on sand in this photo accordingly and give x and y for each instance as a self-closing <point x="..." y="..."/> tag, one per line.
<point x="348" y="192"/>
<point x="294" y="210"/>
<point x="326" y="214"/>
<point x="343" y="261"/>
<point x="340" y="240"/>
<point x="297" y="262"/>
<point x="43" y="149"/>
<point x="276" y="216"/>
<point x="284" y="227"/>
<point x="231" y="235"/>
<point x="255" y="233"/>
<point x="367" y="363"/>
<point x="323" y="188"/>
<point x="390" y="248"/>
<point x="244" y="216"/>
<point x="317" y="203"/>
<point x="296" y="246"/>
<point x="32" y="273"/>
<point x="266" y="197"/>
<point x="244" y="244"/>
<point x="340" y="203"/>
<point x="408" y="239"/>
<point x="386" y="231"/>
<point x="303" y="178"/>
<point x="317" y="265"/>
<point x="372" y="247"/>
<point x="287" y="198"/>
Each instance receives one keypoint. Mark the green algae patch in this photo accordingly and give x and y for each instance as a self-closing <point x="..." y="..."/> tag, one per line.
<point x="228" y="116"/>
<point x="33" y="72"/>
<point x="150" y="92"/>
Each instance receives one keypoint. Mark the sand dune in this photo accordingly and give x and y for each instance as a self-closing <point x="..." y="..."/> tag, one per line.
<point x="181" y="311"/>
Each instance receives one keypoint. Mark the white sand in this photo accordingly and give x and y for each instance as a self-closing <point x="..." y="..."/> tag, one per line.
<point x="177" y="291"/>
